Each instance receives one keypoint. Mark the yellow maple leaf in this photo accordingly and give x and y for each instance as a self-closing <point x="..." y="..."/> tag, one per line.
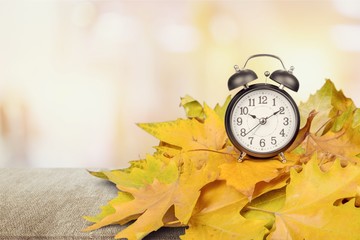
<point x="142" y="173"/>
<point x="309" y="211"/>
<point x="190" y="134"/>
<point x="217" y="216"/>
<point x="245" y="175"/>
<point x="122" y="197"/>
<point x="155" y="195"/>
<point x="194" y="179"/>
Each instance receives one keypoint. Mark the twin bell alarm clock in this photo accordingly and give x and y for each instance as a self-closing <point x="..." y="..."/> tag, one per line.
<point x="262" y="119"/>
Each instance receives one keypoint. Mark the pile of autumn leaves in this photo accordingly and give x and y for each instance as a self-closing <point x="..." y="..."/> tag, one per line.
<point x="194" y="179"/>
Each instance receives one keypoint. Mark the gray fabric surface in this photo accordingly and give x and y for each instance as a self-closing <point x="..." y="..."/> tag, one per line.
<point x="50" y="203"/>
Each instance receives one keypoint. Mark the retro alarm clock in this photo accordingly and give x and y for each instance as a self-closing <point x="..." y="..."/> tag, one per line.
<point x="262" y="119"/>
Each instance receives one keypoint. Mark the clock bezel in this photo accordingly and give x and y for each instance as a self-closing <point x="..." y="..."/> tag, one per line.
<point x="238" y="96"/>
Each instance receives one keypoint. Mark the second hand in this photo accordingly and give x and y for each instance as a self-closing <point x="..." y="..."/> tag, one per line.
<point x="262" y="121"/>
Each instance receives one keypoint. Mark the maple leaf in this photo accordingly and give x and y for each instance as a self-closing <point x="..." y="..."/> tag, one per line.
<point x="336" y="134"/>
<point x="217" y="216"/>
<point x="194" y="178"/>
<point x="221" y="110"/>
<point x="109" y="209"/>
<point x="155" y="189"/>
<point x="329" y="103"/>
<point x="303" y="132"/>
<point x="343" y="145"/>
<point x="144" y="174"/>
<point x="276" y="183"/>
<point x="189" y="134"/>
<point x="308" y="211"/>
<point x="245" y="175"/>
<point x="193" y="108"/>
<point x="264" y="206"/>
<point x="138" y="177"/>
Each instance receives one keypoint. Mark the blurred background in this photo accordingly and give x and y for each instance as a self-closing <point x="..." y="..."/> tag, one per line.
<point x="75" y="76"/>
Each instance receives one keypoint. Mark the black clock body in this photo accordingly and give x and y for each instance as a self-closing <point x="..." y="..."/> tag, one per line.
<point x="262" y="120"/>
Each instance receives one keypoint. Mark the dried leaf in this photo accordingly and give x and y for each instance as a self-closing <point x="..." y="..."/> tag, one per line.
<point x="328" y="103"/>
<point x="303" y="132"/>
<point x="309" y="211"/>
<point x="218" y="216"/>
<point x="343" y="145"/>
<point x="194" y="179"/>
<point x="155" y="194"/>
<point x="191" y="134"/>
<point x="245" y="175"/>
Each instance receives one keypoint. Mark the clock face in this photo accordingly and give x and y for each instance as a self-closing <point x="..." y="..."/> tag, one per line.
<point x="262" y="120"/>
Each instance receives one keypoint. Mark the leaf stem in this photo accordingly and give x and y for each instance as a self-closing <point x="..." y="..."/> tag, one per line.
<point x="258" y="209"/>
<point x="176" y="223"/>
<point x="323" y="126"/>
<point x="214" y="151"/>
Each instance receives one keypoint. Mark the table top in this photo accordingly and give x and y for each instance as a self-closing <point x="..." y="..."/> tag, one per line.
<point x="50" y="203"/>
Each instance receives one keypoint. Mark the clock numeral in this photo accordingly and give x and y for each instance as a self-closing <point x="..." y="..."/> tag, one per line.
<point x="286" y="121"/>
<point x="251" y="140"/>
<point x="239" y="121"/>
<point x="282" y="133"/>
<point x="244" y="110"/>
<point x="282" y="110"/>
<point x="262" y="99"/>
<point x="262" y="142"/>
<point x="243" y="132"/>
<point x="251" y="102"/>
<point x="274" y="103"/>
<point x="273" y="140"/>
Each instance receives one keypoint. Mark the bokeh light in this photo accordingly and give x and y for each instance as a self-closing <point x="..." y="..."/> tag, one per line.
<point x="75" y="76"/>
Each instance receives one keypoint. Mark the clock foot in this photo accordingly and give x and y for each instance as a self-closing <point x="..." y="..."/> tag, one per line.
<point x="241" y="157"/>
<point x="282" y="157"/>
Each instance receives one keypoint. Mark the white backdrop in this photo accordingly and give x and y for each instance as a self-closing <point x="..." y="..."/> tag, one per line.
<point x="75" y="76"/>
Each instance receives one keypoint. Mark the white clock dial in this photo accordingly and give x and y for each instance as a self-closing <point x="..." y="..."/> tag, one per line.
<point x="263" y="121"/>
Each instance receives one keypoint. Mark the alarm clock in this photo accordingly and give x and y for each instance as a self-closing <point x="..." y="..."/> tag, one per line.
<point x="262" y="120"/>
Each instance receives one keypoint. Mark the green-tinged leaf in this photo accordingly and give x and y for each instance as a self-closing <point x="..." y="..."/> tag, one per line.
<point x="190" y="134"/>
<point x="150" y="170"/>
<point x="109" y="209"/>
<point x="194" y="179"/>
<point x="154" y="200"/>
<point x="99" y="174"/>
<point x="356" y="118"/>
<point x="193" y="108"/>
<point x="343" y="145"/>
<point x="221" y="110"/>
<point x="265" y="206"/>
<point x="329" y="103"/>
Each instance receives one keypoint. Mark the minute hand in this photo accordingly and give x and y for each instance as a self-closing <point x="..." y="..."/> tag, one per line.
<point x="272" y="115"/>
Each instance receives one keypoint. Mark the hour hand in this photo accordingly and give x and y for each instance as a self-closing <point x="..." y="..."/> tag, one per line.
<point x="253" y="116"/>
